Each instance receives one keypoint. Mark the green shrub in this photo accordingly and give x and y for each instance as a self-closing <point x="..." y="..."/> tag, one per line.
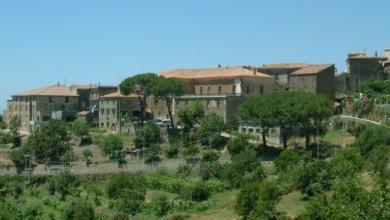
<point x="184" y="171"/>
<point x="287" y="161"/>
<point x="314" y="177"/>
<point x="80" y="210"/>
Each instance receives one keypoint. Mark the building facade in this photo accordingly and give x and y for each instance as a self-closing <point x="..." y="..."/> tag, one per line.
<point x="36" y="107"/>
<point x="117" y="112"/>
<point x="220" y="90"/>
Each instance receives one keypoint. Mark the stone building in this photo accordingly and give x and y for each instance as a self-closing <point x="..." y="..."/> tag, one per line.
<point x="38" y="106"/>
<point x="318" y="79"/>
<point x="361" y="68"/>
<point x="220" y="90"/>
<point x="89" y="95"/>
<point x="116" y="112"/>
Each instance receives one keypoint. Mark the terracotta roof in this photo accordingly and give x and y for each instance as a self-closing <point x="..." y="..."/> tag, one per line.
<point x="283" y="66"/>
<point x="53" y="90"/>
<point x="363" y="56"/>
<point x="83" y="86"/>
<point x="117" y="95"/>
<point x="312" y="69"/>
<point x="223" y="72"/>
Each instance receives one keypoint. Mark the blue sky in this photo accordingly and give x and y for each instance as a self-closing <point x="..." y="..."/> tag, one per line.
<point x="83" y="41"/>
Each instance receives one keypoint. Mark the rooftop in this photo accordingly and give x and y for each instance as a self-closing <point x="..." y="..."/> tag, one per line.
<point x="283" y="66"/>
<point x="312" y="69"/>
<point x="53" y="90"/>
<point x="90" y="86"/>
<point x="117" y="95"/>
<point x="207" y="73"/>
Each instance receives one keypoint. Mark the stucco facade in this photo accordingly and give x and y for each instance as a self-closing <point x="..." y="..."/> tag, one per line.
<point x="116" y="112"/>
<point x="39" y="106"/>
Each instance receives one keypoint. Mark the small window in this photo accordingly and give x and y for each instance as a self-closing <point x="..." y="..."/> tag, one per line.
<point x="234" y="89"/>
<point x="201" y="90"/>
<point x="209" y="90"/>
<point x="66" y="99"/>
<point x="219" y="89"/>
<point x="261" y="89"/>
<point x="243" y="130"/>
<point x="250" y="130"/>
<point x="258" y="130"/>
<point x="248" y="89"/>
<point x="50" y="99"/>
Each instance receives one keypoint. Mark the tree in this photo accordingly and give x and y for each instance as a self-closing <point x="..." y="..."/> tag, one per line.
<point x="258" y="201"/>
<point x="379" y="159"/>
<point x="190" y="116"/>
<point x="111" y="145"/>
<point x="80" y="210"/>
<point x="153" y="154"/>
<point x="375" y="87"/>
<point x="210" y="130"/>
<point x="19" y="159"/>
<point x="372" y="137"/>
<point x="239" y="143"/>
<point x="51" y="142"/>
<point x="14" y="126"/>
<point x="127" y="191"/>
<point x="167" y="89"/>
<point x="79" y="128"/>
<point x="147" y="135"/>
<point x="257" y="110"/>
<point x="63" y="183"/>
<point x="286" y="110"/>
<point x="314" y="177"/>
<point x="287" y="160"/>
<point x="210" y="156"/>
<point x="141" y="85"/>
<point x="346" y="163"/>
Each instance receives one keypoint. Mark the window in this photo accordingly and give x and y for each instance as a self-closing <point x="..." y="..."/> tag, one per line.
<point x="209" y="90"/>
<point x="219" y="89"/>
<point x="243" y="130"/>
<point x="201" y="90"/>
<point x="234" y="89"/>
<point x="248" y="89"/>
<point x="258" y="130"/>
<point x="250" y="130"/>
<point x="66" y="99"/>
<point x="50" y="99"/>
<point x="261" y="89"/>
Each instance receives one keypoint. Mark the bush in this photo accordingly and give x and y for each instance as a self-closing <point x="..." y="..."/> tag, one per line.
<point x="80" y="210"/>
<point x="287" y="161"/>
<point x="63" y="183"/>
<point x="371" y="137"/>
<point x="239" y="143"/>
<point x="210" y="156"/>
<point x="160" y="205"/>
<point x="258" y="201"/>
<point x="111" y="145"/>
<point x="346" y="163"/>
<point x="199" y="193"/>
<point x="32" y="209"/>
<point x="314" y="177"/>
<point x="212" y="170"/>
<point x="172" y="151"/>
<point x="127" y="191"/>
<point x="148" y="134"/>
<point x="184" y="171"/>
<point x="153" y="154"/>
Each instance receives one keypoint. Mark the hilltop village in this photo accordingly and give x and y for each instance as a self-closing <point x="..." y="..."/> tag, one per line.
<point x="219" y="90"/>
<point x="275" y="141"/>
